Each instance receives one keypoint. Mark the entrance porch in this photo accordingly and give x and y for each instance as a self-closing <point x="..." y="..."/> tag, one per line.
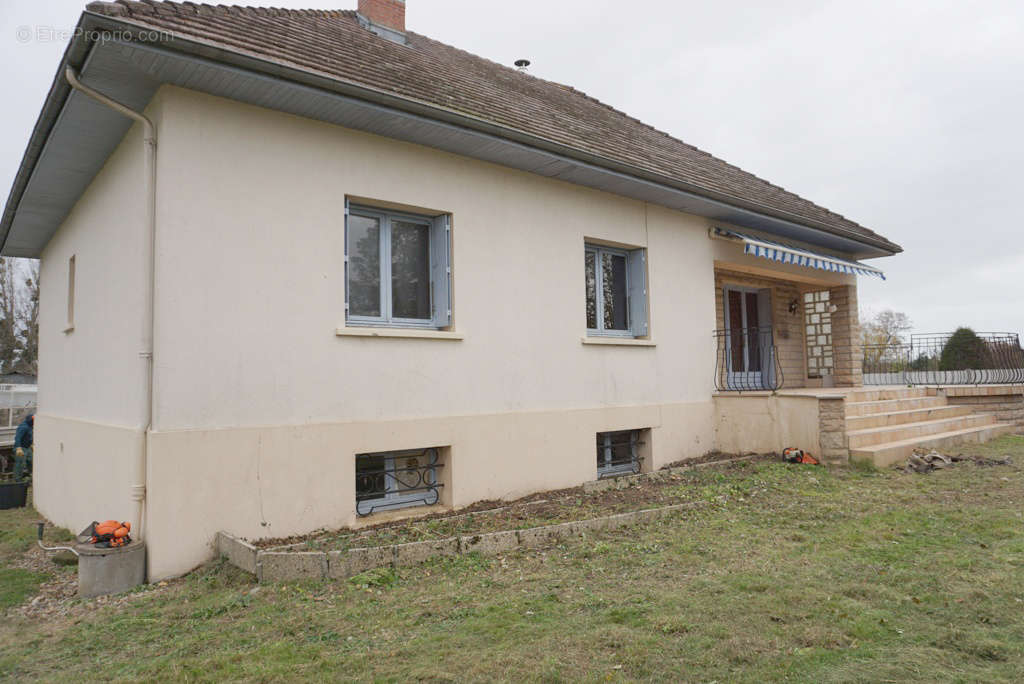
<point x="784" y="331"/>
<point x="880" y="425"/>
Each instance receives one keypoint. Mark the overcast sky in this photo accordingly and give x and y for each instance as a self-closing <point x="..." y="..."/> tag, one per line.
<point x="907" y="117"/>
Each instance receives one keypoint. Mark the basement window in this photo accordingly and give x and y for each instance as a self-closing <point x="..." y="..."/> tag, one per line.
<point x="397" y="270"/>
<point x="618" y="453"/>
<point x="397" y="479"/>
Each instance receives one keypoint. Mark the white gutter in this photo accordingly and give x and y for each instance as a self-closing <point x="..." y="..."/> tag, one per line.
<point x="138" y="490"/>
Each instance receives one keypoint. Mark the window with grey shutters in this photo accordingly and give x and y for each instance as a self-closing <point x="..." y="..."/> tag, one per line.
<point x="616" y="291"/>
<point x="397" y="270"/>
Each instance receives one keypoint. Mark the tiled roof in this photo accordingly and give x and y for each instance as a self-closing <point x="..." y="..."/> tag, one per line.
<point x="334" y="43"/>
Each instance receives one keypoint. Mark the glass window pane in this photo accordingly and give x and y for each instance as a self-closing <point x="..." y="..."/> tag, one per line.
<point x="616" y="451"/>
<point x="410" y="270"/>
<point x="755" y="336"/>
<point x="735" y="314"/>
<point x="363" y="266"/>
<point x="613" y="274"/>
<point x="371" y="477"/>
<point x="410" y="476"/>
<point x="590" y="271"/>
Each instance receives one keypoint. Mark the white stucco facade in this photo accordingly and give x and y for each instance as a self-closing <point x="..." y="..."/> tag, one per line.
<point x="260" y="406"/>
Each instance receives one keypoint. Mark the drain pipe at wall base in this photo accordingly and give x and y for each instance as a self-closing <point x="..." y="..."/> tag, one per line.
<point x="138" y="489"/>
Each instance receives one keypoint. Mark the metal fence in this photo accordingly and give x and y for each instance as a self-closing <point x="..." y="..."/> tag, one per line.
<point x="746" y="359"/>
<point x="16" y="402"/>
<point x="960" y="358"/>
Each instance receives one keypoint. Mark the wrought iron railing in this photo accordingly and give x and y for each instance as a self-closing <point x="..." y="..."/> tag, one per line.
<point x="960" y="358"/>
<point x="746" y="359"/>
<point x="397" y="479"/>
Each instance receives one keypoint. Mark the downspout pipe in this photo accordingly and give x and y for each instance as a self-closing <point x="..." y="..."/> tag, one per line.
<point x="138" y="488"/>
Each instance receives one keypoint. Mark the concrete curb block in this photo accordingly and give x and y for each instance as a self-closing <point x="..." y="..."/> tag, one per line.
<point x="239" y="553"/>
<point x="342" y="564"/>
<point x="284" y="566"/>
<point x="415" y="553"/>
<point x="490" y="543"/>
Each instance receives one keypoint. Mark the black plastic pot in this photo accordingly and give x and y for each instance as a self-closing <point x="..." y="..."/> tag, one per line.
<point x="13" y="494"/>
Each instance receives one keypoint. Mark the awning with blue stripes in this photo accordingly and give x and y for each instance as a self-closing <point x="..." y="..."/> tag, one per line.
<point x="776" y="251"/>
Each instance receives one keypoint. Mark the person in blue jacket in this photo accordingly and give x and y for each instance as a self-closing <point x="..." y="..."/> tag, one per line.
<point x="23" y="440"/>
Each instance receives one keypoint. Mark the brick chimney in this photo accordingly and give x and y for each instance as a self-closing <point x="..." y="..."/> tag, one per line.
<point x="388" y="14"/>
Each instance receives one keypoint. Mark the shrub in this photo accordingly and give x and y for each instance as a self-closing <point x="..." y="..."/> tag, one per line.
<point x="963" y="350"/>
<point x="922" y="363"/>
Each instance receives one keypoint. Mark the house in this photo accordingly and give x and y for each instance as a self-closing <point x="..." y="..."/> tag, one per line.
<point x="310" y="269"/>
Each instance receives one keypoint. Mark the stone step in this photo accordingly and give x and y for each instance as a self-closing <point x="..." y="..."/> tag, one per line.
<point x="864" y="408"/>
<point x="896" y="433"/>
<point x="882" y="394"/>
<point x="904" y="416"/>
<point x="884" y="455"/>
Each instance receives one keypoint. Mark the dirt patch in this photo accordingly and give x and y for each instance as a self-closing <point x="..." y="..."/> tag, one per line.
<point x="664" y="488"/>
<point x="716" y="457"/>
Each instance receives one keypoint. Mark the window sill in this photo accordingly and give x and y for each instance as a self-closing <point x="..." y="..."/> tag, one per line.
<point x="618" y="341"/>
<point x="407" y="333"/>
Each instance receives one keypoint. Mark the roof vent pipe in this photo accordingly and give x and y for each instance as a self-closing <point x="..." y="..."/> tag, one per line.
<point x="522" y="64"/>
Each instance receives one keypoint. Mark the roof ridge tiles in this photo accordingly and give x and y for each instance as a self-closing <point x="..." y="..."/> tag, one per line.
<point x="189" y="8"/>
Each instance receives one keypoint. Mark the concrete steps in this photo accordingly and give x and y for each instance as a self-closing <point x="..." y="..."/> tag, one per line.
<point x="866" y="408"/>
<point x="921" y="429"/>
<point x="891" y="393"/>
<point x="885" y="425"/>
<point x="884" y="455"/>
<point x="904" y="416"/>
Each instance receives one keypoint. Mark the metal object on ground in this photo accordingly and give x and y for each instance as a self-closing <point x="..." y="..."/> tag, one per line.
<point x="39" y="540"/>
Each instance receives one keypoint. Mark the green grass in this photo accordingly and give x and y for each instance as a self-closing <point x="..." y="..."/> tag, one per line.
<point x="17" y="584"/>
<point x="18" y="535"/>
<point x="792" y="573"/>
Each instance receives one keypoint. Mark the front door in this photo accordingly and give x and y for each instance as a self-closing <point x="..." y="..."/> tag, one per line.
<point x="748" y="337"/>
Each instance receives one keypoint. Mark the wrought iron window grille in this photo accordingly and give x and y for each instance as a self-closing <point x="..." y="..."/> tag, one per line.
<point x="747" y="360"/>
<point x="618" y="453"/>
<point x="397" y="479"/>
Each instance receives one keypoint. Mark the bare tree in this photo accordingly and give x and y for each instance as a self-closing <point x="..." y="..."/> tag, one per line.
<point x="8" y="315"/>
<point x="28" y="321"/>
<point x="882" y="334"/>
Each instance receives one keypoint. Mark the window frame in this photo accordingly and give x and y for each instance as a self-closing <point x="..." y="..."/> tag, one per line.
<point x="391" y="498"/>
<point x="385" y="217"/>
<point x="604" y="453"/>
<point x="630" y="332"/>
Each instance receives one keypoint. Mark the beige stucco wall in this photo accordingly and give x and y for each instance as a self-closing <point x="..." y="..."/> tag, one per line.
<point x="765" y="423"/>
<point x="252" y="222"/>
<point x="90" y="415"/>
<point x="82" y="471"/>
<point x="250" y="371"/>
<point x="278" y="481"/>
<point x="260" y="407"/>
